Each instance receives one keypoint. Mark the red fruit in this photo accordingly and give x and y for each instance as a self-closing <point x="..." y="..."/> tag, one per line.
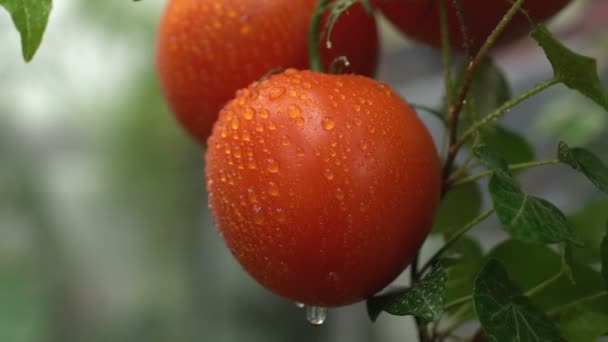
<point x="323" y="186"/>
<point x="419" y="19"/>
<point x="207" y="49"/>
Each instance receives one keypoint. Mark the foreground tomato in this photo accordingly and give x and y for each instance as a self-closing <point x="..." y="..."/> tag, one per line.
<point x="323" y="186"/>
<point x="207" y="49"/>
<point x="419" y="19"/>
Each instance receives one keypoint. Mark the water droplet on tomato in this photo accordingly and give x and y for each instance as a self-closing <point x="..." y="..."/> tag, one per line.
<point x="316" y="315"/>
<point x="235" y="123"/>
<point x="264" y="114"/>
<point x="249" y="113"/>
<point x="294" y="111"/>
<point x="273" y="189"/>
<point x="328" y="174"/>
<point x="276" y="92"/>
<point x="285" y="140"/>
<point x="340" y="194"/>
<point x="300" y="122"/>
<point x="273" y="165"/>
<point x="328" y="123"/>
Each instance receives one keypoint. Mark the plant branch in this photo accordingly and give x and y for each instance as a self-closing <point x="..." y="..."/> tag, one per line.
<point x="513" y="167"/>
<point x="454" y="238"/>
<point x="559" y="309"/>
<point x="446" y="52"/>
<point x="546" y="283"/>
<point x="314" y="52"/>
<point x="464" y="29"/>
<point x="458" y="302"/>
<point x="456" y="107"/>
<point x="503" y="109"/>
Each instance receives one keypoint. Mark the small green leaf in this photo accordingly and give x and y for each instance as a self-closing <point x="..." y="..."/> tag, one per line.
<point x="492" y="160"/>
<point x="528" y="218"/>
<point x="459" y="207"/>
<point x="505" y="313"/>
<point x="604" y="252"/>
<point x="583" y="325"/>
<point x="30" y="18"/>
<point x="424" y="300"/>
<point x="568" y="262"/>
<point x="586" y="163"/>
<point x="575" y="71"/>
<point x="588" y="223"/>
<point x="507" y="144"/>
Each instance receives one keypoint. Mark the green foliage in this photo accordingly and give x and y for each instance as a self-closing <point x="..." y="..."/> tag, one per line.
<point x="604" y="253"/>
<point x="458" y="208"/>
<point x="505" y="313"/>
<point x="587" y="163"/>
<point x="589" y="224"/>
<point x="582" y="325"/>
<point x="576" y="71"/>
<point x="424" y="300"/>
<point x="30" y="18"/>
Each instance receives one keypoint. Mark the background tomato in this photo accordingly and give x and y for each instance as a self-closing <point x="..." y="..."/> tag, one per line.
<point x="323" y="186"/>
<point x="419" y="19"/>
<point x="208" y="49"/>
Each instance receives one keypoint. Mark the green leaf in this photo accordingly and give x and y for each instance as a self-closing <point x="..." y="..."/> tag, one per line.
<point x="30" y="18"/>
<point x="492" y="161"/>
<point x="459" y="207"/>
<point x="424" y="300"/>
<point x="505" y="313"/>
<point x="586" y="163"/>
<point x="530" y="265"/>
<point x="575" y="71"/>
<point x="568" y="262"/>
<point x="528" y="218"/>
<point x="588" y="223"/>
<point x="507" y="144"/>
<point x="462" y="274"/>
<point x="604" y="252"/>
<point x="583" y="325"/>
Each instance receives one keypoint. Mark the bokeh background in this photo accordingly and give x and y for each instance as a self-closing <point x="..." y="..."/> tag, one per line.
<point x="105" y="233"/>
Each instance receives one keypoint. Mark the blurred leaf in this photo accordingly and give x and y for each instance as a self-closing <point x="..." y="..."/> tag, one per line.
<point x="30" y="18"/>
<point x="588" y="223"/>
<point x="528" y="218"/>
<point x="424" y="300"/>
<point x="585" y="162"/>
<point x="604" y="252"/>
<point x="582" y="325"/>
<point x="568" y="261"/>
<point x="572" y="118"/>
<point x="462" y="273"/>
<point x="460" y="206"/>
<point x="505" y="313"/>
<point x="575" y="71"/>
<point x="509" y="145"/>
<point x="530" y="265"/>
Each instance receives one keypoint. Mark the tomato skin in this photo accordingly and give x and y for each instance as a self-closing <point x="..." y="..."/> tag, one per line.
<point x="323" y="186"/>
<point x="208" y="49"/>
<point x="419" y="19"/>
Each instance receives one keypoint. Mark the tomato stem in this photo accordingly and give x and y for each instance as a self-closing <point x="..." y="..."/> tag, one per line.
<point x="314" y="51"/>
<point x="454" y="182"/>
<point x="456" y="107"/>
<point x="446" y="52"/>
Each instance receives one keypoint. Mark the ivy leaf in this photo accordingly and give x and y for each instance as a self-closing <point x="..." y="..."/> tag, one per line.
<point x="459" y="207"/>
<point x="424" y="300"/>
<point x="576" y="71"/>
<point x="30" y="18"/>
<point x="492" y="161"/>
<point x="530" y="265"/>
<point x="528" y="218"/>
<point x="586" y="163"/>
<point x="505" y="313"/>
<point x="589" y="223"/>
<point x="604" y="252"/>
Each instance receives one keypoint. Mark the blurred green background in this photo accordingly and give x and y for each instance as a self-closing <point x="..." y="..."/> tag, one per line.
<point x="104" y="229"/>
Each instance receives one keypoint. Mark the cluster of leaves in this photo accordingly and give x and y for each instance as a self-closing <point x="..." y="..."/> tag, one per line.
<point x="549" y="281"/>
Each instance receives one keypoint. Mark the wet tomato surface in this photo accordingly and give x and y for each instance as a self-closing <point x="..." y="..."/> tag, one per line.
<point x="323" y="186"/>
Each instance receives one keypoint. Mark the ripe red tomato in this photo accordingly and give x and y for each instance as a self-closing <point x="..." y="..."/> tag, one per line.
<point x="323" y="186"/>
<point x="419" y="19"/>
<point x="207" y="49"/>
